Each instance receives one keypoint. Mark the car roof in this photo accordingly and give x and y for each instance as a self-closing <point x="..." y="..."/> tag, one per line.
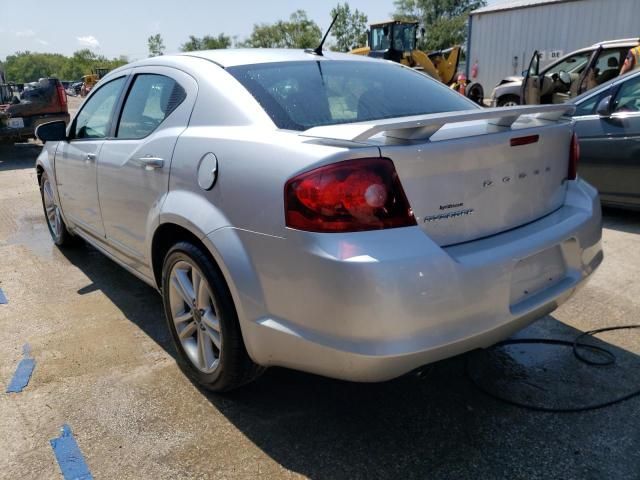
<point x="385" y="22"/>
<point x="622" y="42"/>
<point x="232" y="57"/>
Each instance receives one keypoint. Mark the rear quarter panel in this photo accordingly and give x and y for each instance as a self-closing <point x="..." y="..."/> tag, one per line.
<point x="253" y="166"/>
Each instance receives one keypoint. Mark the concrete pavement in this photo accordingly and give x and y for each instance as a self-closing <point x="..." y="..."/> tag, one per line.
<point x="105" y="366"/>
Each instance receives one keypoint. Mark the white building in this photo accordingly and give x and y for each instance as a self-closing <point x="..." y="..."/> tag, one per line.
<point x="503" y="37"/>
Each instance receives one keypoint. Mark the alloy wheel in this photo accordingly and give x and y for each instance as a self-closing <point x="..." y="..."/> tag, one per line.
<point x="194" y="316"/>
<point x="52" y="211"/>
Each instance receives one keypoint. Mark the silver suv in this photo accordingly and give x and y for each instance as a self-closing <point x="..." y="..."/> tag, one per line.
<point x="566" y="78"/>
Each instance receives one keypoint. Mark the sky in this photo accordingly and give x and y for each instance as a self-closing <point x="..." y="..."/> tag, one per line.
<point x="121" y="27"/>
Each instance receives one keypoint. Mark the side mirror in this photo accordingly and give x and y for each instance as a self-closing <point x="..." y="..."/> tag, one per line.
<point x="604" y="107"/>
<point x="564" y="77"/>
<point x="52" y="131"/>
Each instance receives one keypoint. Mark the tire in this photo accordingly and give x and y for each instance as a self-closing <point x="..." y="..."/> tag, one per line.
<point x="57" y="228"/>
<point x="475" y="93"/>
<point x="204" y="324"/>
<point x="508" y="101"/>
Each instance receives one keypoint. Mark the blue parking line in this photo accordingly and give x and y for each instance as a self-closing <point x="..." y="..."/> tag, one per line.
<point x="23" y="372"/>
<point x="3" y="298"/>
<point x="69" y="456"/>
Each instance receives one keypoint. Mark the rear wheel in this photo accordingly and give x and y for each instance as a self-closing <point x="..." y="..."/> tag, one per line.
<point x="55" y="222"/>
<point x="508" y="101"/>
<point x="203" y="321"/>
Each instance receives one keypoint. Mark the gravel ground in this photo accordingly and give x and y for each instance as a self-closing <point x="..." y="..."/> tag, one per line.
<point x="105" y="366"/>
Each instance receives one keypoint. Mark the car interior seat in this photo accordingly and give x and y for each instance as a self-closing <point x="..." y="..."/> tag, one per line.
<point x="613" y="68"/>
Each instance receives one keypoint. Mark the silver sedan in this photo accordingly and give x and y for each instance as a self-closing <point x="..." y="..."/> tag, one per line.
<point x="331" y="213"/>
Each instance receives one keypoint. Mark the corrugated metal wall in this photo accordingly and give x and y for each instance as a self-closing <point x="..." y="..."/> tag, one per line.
<point x="498" y="37"/>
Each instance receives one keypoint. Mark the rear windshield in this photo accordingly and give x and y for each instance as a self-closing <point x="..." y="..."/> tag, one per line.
<point x="302" y="95"/>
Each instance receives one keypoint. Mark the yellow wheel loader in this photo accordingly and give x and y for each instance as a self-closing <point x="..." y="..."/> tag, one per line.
<point x="89" y="81"/>
<point x="396" y="40"/>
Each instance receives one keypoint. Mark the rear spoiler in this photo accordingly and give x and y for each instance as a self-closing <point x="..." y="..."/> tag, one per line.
<point x="421" y="127"/>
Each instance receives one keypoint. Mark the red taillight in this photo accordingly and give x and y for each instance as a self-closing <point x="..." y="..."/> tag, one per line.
<point x="350" y="196"/>
<point x="518" y="141"/>
<point x="62" y="95"/>
<point x="574" y="157"/>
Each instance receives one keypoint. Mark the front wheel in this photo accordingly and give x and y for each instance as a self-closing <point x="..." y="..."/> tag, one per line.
<point x="55" y="222"/>
<point x="508" y="101"/>
<point x="203" y="321"/>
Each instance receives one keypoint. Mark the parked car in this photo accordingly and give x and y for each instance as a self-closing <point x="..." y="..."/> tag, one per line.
<point x="329" y="213"/>
<point x="608" y="126"/>
<point x="43" y="101"/>
<point x="566" y="78"/>
<point x="76" y="87"/>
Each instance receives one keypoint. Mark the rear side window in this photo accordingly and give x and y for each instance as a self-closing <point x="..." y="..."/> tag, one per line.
<point x="302" y="95"/>
<point x="151" y="99"/>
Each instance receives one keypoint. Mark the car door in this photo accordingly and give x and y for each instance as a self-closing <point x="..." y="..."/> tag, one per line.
<point x="75" y="161"/>
<point x="610" y="145"/>
<point x="587" y="77"/>
<point x="530" y="93"/>
<point x="133" y="169"/>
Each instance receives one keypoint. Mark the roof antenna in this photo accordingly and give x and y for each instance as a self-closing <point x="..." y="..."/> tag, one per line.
<point x="318" y="49"/>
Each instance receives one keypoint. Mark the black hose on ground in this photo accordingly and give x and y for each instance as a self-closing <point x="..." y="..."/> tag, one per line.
<point x="577" y="346"/>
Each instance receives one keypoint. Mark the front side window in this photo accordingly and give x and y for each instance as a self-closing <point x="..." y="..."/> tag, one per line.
<point x="588" y="106"/>
<point x="306" y="94"/>
<point x="534" y="66"/>
<point x="94" y="119"/>
<point x="628" y="98"/>
<point x="151" y="99"/>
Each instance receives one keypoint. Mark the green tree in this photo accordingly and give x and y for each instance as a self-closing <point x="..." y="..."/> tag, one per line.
<point x="156" y="45"/>
<point x="29" y="66"/>
<point x="206" y="43"/>
<point x="445" y="21"/>
<point x="350" y="29"/>
<point x="298" y="32"/>
<point x="80" y="63"/>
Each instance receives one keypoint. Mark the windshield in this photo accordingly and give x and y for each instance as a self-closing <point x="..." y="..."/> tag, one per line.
<point x="404" y="37"/>
<point x="572" y="64"/>
<point x="302" y="95"/>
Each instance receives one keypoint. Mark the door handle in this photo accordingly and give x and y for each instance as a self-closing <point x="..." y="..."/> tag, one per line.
<point x="90" y="157"/>
<point x="149" y="162"/>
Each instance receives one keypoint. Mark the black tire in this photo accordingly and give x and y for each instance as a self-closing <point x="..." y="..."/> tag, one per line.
<point x="235" y="368"/>
<point x="508" y="100"/>
<point x="475" y="93"/>
<point x="61" y="237"/>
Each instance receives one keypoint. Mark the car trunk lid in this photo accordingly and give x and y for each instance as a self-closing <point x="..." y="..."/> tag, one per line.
<point x="468" y="175"/>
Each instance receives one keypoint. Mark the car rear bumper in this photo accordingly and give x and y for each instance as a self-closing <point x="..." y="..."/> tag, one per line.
<point x="374" y="305"/>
